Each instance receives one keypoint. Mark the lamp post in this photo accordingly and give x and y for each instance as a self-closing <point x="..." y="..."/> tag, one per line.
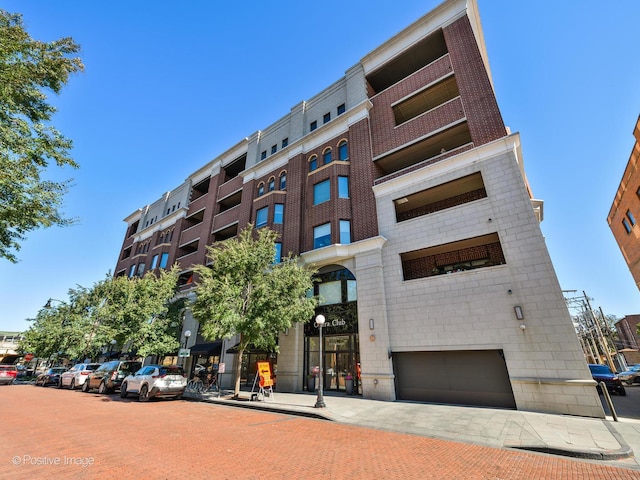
<point x="187" y="334"/>
<point x="320" y="400"/>
<point x="113" y="343"/>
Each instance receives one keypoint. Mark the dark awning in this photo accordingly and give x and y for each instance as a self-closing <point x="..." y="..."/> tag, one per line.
<point x="209" y="349"/>
<point x="250" y="349"/>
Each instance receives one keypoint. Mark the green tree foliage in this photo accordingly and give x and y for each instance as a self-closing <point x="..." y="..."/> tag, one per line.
<point x="28" y="69"/>
<point x="243" y="292"/>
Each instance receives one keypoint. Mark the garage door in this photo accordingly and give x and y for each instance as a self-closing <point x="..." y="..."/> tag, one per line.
<point x="477" y="377"/>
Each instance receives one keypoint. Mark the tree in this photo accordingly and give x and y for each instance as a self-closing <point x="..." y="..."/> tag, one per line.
<point x="243" y="292"/>
<point x="29" y="68"/>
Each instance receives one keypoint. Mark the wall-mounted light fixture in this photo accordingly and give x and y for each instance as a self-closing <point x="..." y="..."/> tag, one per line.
<point x="286" y="331"/>
<point x="518" y="311"/>
<point x="523" y="327"/>
<point x="371" y="324"/>
<point x="509" y="292"/>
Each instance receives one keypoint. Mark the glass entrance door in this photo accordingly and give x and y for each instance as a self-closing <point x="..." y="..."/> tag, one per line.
<point x="340" y="358"/>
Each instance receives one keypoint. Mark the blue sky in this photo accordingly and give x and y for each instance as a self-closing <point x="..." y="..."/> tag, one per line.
<point x="170" y="85"/>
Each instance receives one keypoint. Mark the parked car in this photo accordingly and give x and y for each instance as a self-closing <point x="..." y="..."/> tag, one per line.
<point x="77" y="375"/>
<point x="8" y="374"/>
<point x="22" y="371"/>
<point x="631" y="375"/>
<point x="50" y="377"/>
<point x="108" y="376"/>
<point x="155" y="381"/>
<point x="602" y="373"/>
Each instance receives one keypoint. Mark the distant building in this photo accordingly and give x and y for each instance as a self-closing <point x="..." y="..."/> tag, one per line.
<point x="8" y="345"/>
<point x="627" y="329"/>
<point x="625" y="209"/>
<point x="401" y="183"/>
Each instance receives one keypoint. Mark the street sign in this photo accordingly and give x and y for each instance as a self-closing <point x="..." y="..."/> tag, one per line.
<point x="184" y="352"/>
<point x="28" y="357"/>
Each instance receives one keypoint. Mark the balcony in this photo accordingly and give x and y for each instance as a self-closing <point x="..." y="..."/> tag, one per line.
<point x="229" y="187"/>
<point x="226" y="218"/>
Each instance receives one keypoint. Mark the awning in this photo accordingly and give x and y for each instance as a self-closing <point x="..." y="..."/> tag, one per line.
<point x="250" y="349"/>
<point x="209" y="349"/>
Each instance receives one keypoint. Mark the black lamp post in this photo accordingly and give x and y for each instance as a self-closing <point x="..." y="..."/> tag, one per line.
<point x="113" y="342"/>
<point x="320" y="400"/>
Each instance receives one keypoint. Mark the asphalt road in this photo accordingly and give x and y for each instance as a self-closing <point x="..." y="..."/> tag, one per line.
<point x="60" y="434"/>
<point x="627" y="406"/>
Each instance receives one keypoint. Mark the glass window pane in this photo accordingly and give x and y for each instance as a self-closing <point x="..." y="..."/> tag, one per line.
<point x="283" y="181"/>
<point x="352" y="293"/>
<point x="278" y="213"/>
<point x="261" y="217"/>
<point x="313" y="164"/>
<point x="345" y="232"/>
<point x="321" y="192"/>
<point x="330" y="293"/>
<point x="343" y="152"/>
<point x="322" y="236"/>
<point x="154" y="262"/>
<point x="326" y="157"/>
<point x="278" y="254"/>
<point x="163" y="260"/>
<point x="343" y="187"/>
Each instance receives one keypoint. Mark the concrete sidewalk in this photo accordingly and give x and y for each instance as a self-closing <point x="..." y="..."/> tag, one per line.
<point x="602" y="440"/>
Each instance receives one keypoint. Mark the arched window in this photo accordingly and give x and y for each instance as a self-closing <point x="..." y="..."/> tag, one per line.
<point x="326" y="156"/>
<point x="271" y="186"/>
<point x="313" y="163"/>
<point x="260" y="189"/>
<point x="283" y="181"/>
<point x="343" y="151"/>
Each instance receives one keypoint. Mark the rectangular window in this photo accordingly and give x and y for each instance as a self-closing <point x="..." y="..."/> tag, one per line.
<point x="343" y="187"/>
<point x="322" y="236"/>
<point x="140" y="269"/>
<point x="321" y="192"/>
<point x="330" y="293"/>
<point x="274" y="149"/>
<point x="352" y="292"/>
<point x="164" y="258"/>
<point x="263" y="155"/>
<point x="341" y="109"/>
<point x="627" y="227"/>
<point x="132" y="271"/>
<point x="278" y="213"/>
<point x="326" y="118"/>
<point x="345" y="232"/>
<point x="154" y="262"/>
<point x="285" y="142"/>
<point x="278" y="255"/>
<point x="261" y="217"/>
<point x="632" y="220"/>
<point x="313" y="125"/>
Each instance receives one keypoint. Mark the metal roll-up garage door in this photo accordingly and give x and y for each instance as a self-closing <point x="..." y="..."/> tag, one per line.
<point x="463" y="377"/>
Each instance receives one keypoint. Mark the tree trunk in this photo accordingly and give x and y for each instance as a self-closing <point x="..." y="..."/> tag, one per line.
<point x="236" y="393"/>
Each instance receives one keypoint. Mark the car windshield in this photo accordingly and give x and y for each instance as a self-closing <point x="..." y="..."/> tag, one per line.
<point x="173" y="370"/>
<point x="601" y="369"/>
<point x="92" y="366"/>
<point x="130" y="367"/>
<point x="58" y="370"/>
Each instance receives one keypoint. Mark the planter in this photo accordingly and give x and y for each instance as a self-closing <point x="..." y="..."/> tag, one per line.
<point x="348" y="385"/>
<point x="311" y="383"/>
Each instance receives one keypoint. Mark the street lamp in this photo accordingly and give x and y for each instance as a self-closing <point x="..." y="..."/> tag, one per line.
<point x="187" y="334"/>
<point x="113" y="343"/>
<point x="320" y="400"/>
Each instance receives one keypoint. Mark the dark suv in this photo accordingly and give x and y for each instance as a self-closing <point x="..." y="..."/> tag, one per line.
<point x="109" y="376"/>
<point x="602" y="373"/>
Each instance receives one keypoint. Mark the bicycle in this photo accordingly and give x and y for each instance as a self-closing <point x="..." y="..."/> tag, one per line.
<point x="200" y="385"/>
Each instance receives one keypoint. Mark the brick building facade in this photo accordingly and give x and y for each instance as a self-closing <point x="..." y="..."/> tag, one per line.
<point x="401" y="183"/>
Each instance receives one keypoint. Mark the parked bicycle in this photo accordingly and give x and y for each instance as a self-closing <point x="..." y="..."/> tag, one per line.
<point x="204" y="384"/>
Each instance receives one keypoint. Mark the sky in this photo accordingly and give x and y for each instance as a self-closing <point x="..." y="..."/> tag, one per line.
<point x="169" y="85"/>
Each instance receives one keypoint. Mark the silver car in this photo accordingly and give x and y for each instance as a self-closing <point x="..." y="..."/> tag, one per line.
<point x="155" y="381"/>
<point x="630" y="376"/>
<point x="77" y="375"/>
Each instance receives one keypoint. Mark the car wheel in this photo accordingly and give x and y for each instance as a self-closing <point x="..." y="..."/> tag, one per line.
<point x="59" y="384"/>
<point x="72" y="385"/>
<point x="635" y="381"/>
<point x="144" y="394"/>
<point x="85" y="386"/>
<point x="102" y="388"/>
<point x="123" y="391"/>
<point x="177" y="397"/>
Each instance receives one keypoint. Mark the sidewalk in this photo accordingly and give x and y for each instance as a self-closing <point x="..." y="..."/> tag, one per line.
<point x="603" y="440"/>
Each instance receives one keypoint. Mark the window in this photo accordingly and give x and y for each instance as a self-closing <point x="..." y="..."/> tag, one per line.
<point x="278" y="255"/>
<point x="260" y="189"/>
<point x="330" y="293"/>
<point x="313" y="125"/>
<point x="321" y="192"/>
<point x="274" y="149"/>
<point x="326" y="118"/>
<point x="630" y="217"/>
<point x="627" y="227"/>
<point x="285" y="142"/>
<point x="283" y="181"/>
<point x="343" y="151"/>
<point x="341" y="109"/>
<point x="313" y="163"/>
<point x="278" y="213"/>
<point x="263" y="155"/>
<point x="163" y="260"/>
<point x="345" y="232"/>
<point x="132" y="271"/>
<point x="322" y="236"/>
<point x="326" y="157"/>
<point x="343" y="187"/>
<point x="261" y="217"/>
<point x="154" y="262"/>
<point x="140" y="269"/>
<point x="271" y="186"/>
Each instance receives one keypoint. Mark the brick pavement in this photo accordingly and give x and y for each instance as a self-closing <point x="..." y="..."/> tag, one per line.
<point x="176" y="439"/>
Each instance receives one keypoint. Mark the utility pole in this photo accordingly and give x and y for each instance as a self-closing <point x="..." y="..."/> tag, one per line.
<point x="601" y="339"/>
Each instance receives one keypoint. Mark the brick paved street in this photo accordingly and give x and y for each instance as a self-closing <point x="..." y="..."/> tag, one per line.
<point x="49" y="434"/>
